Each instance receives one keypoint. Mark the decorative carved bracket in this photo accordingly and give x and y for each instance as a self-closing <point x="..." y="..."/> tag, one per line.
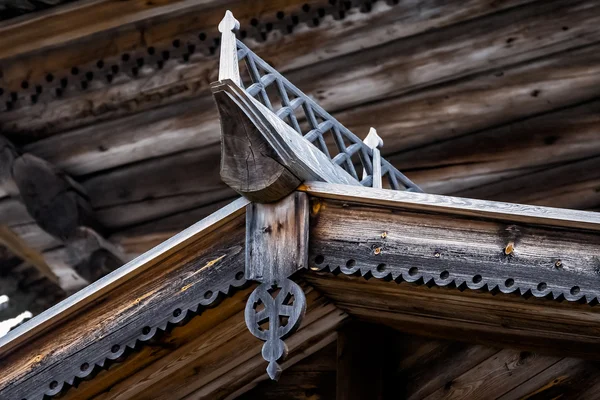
<point x="276" y="247"/>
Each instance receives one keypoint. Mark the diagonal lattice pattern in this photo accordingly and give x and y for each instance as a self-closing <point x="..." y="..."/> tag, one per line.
<point x="306" y="117"/>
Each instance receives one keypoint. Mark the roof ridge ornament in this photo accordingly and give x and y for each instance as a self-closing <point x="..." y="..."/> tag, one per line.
<point x="228" y="68"/>
<point x="375" y="143"/>
<point x="274" y="136"/>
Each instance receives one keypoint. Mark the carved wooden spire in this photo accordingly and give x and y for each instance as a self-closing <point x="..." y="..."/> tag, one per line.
<point x="374" y="142"/>
<point x="228" y="68"/>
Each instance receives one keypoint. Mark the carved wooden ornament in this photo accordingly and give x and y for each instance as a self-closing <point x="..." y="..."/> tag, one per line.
<point x="276" y="247"/>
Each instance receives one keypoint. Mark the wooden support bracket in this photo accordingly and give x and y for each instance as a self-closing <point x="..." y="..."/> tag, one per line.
<point x="276" y="247"/>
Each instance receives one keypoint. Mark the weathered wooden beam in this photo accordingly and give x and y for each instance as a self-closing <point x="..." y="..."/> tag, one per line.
<point x="208" y="357"/>
<point x="177" y="81"/>
<point x="207" y="260"/>
<point x="361" y="368"/>
<point x="440" y="241"/>
<point x="249" y="165"/>
<point x="276" y="248"/>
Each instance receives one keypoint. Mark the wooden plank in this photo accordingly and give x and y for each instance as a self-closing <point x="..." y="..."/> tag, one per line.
<point x="538" y="325"/>
<point x="361" y="369"/>
<point x="455" y="205"/>
<point x="357" y="31"/>
<point x="277" y="239"/>
<point x="498" y="374"/>
<point x="124" y="274"/>
<point x="426" y="366"/>
<point x="175" y="287"/>
<point x="568" y="378"/>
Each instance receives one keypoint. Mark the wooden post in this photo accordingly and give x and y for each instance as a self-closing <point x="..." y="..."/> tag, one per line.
<point x="276" y="247"/>
<point x="229" y="68"/>
<point x="361" y="362"/>
<point x="374" y="142"/>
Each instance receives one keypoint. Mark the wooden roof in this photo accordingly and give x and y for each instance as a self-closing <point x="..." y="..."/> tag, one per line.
<point x="136" y="333"/>
<point x="445" y="245"/>
<point x="120" y="102"/>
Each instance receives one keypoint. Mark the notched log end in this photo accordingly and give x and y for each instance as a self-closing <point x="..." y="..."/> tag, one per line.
<point x="249" y="164"/>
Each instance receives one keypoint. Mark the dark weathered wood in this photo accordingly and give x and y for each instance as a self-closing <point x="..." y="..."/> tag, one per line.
<point x="569" y="378"/>
<point x="463" y="252"/>
<point x="210" y="265"/>
<point x="183" y="80"/>
<point x="496" y="375"/>
<point x="361" y="367"/>
<point x="277" y="238"/>
<point x="540" y="325"/>
<point x="424" y="365"/>
<point x="60" y="207"/>
<point x="313" y="377"/>
<point x="249" y="164"/>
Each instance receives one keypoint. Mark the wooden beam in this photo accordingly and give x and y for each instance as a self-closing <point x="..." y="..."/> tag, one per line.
<point x="249" y="165"/>
<point x="459" y="243"/>
<point x="361" y="368"/>
<point x="423" y="202"/>
<point x="207" y="261"/>
<point x="474" y="317"/>
<point x="61" y="214"/>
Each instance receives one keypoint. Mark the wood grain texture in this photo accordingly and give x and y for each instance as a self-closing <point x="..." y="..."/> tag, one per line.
<point x="558" y="329"/>
<point x="456" y="206"/>
<point x="124" y="274"/>
<point x="204" y="270"/>
<point x="499" y="373"/>
<point x="461" y="252"/>
<point x="277" y="238"/>
<point x="249" y="164"/>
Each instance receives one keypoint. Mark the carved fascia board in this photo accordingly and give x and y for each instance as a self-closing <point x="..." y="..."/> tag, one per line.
<point x="448" y="241"/>
<point x="158" y="290"/>
<point x="276" y="247"/>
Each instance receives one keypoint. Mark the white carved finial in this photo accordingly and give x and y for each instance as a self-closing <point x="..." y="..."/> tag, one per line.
<point x="374" y="142"/>
<point x="228" y="23"/>
<point x="228" y="64"/>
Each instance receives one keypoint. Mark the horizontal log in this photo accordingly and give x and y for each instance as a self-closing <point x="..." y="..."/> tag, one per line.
<point x="106" y="30"/>
<point x="199" y="287"/>
<point x="460" y="244"/>
<point x="470" y="317"/>
<point x="141" y="238"/>
<point x="504" y="153"/>
<point x="358" y="31"/>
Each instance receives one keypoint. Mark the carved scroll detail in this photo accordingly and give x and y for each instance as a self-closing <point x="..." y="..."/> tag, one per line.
<point x="276" y="247"/>
<point x="274" y="312"/>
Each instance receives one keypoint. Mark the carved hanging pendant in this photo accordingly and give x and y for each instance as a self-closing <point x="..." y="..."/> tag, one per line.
<point x="276" y="247"/>
<point x="273" y="312"/>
